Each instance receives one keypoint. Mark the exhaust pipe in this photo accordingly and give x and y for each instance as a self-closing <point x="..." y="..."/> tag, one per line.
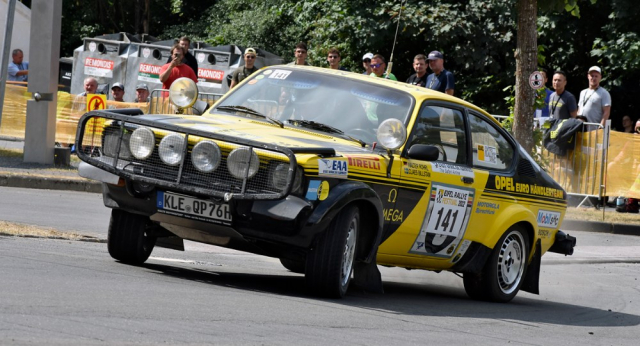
<point x="563" y="244"/>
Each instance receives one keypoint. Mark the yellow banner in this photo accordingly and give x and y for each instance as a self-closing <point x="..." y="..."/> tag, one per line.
<point x="623" y="169"/>
<point x="70" y="109"/>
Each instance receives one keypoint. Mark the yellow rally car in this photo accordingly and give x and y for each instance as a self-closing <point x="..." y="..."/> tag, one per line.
<point x="331" y="172"/>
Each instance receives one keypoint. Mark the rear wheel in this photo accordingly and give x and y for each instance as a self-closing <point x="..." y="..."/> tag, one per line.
<point x="329" y="266"/>
<point x="128" y="240"/>
<point x="502" y="275"/>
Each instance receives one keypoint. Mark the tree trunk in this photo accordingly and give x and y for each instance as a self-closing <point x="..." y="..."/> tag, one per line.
<point x="526" y="62"/>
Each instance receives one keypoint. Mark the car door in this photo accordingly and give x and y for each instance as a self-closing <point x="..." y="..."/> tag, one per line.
<point x="435" y="197"/>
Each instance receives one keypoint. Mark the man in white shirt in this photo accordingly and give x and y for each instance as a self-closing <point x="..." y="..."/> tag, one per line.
<point x="595" y="102"/>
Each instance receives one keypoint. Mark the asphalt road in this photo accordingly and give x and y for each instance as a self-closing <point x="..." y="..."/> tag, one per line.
<point x="57" y="292"/>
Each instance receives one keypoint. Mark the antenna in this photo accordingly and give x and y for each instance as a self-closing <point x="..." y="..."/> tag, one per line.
<point x="390" y="65"/>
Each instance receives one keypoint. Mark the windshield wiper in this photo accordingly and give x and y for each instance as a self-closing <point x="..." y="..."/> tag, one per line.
<point x="323" y="127"/>
<point x="248" y="110"/>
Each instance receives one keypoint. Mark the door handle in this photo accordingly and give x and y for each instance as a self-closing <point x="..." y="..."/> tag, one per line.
<point x="467" y="180"/>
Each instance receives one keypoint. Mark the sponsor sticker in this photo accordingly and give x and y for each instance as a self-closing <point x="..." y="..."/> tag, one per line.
<point x="371" y="163"/>
<point x="333" y="168"/>
<point x="323" y="190"/>
<point x="487" y="154"/>
<point x="447" y="168"/>
<point x="548" y="219"/>
<point x="278" y="74"/>
<point x="312" y="190"/>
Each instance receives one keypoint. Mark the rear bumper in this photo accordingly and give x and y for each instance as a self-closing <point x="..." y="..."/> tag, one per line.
<point x="563" y="244"/>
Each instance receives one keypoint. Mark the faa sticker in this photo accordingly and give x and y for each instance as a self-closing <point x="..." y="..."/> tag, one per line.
<point x="323" y="190"/>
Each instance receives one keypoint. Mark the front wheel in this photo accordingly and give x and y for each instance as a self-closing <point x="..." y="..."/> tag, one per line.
<point x="329" y="265"/>
<point x="502" y="275"/>
<point x="128" y="240"/>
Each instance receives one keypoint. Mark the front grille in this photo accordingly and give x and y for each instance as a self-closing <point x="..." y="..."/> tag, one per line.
<point x="103" y="140"/>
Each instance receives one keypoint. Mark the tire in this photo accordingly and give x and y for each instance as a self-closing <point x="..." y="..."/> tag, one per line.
<point x="329" y="266"/>
<point x="502" y="275"/>
<point x="127" y="239"/>
<point x="292" y="265"/>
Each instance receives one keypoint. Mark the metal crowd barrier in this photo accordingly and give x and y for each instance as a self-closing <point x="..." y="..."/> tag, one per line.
<point x="159" y="102"/>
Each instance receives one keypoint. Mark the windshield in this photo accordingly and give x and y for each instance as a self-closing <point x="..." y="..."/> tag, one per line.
<point x="310" y="99"/>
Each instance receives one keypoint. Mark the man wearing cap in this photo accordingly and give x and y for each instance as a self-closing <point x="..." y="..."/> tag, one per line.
<point x="300" y="53"/>
<point x="420" y="66"/>
<point x="176" y="68"/>
<point x="245" y="71"/>
<point x="142" y="93"/>
<point x="441" y="79"/>
<point x="595" y="102"/>
<point x="379" y="65"/>
<point x="333" y="58"/>
<point x="117" y="92"/>
<point x="366" y="63"/>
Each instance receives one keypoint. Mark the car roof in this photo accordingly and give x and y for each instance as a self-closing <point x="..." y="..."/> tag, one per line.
<point x="419" y="93"/>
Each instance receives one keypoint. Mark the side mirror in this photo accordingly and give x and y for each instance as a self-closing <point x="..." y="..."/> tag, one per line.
<point x="199" y="107"/>
<point x="423" y="152"/>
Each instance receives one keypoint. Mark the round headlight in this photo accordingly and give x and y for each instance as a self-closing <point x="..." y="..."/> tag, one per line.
<point x="243" y="162"/>
<point x="183" y="92"/>
<point x="141" y="143"/>
<point x="279" y="177"/>
<point x="171" y="149"/>
<point x="205" y="156"/>
<point x="392" y="134"/>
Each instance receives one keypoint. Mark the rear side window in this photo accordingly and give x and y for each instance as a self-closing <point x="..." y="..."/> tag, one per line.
<point x="491" y="150"/>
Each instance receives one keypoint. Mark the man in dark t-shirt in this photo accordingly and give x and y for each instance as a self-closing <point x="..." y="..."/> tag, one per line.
<point x="562" y="103"/>
<point x="245" y="71"/>
<point x="189" y="59"/>
<point x="420" y="66"/>
<point x="441" y="79"/>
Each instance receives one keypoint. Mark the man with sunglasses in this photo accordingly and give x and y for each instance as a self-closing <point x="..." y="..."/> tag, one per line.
<point x="366" y="63"/>
<point x="176" y="68"/>
<point x="333" y="58"/>
<point x="244" y="71"/>
<point x="378" y="65"/>
<point x="301" y="55"/>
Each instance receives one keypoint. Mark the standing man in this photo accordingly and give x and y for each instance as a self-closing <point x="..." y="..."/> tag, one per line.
<point x="441" y="79"/>
<point x="176" y="68"/>
<point x="420" y="66"/>
<point x="301" y="55"/>
<point x="562" y="103"/>
<point x="366" y="63"/>
<point x="117" y="92"/>
<point x="80" y="101"/>
<point x="245" y="71"/>
<point x="18" y="70"/>
<point x="333" y="58"/>
<point x="595" y="102"/>
<point x="189" y="59"/>
<point x="142" y="93"/>
<point x="379" y="65"/>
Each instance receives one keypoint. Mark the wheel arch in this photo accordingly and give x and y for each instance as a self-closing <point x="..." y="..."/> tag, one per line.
<point x="514" y="215"/>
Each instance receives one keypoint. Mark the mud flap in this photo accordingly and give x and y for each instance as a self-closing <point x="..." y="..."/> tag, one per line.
<point x="367" y="277"/>
<point x="531" y="281"/>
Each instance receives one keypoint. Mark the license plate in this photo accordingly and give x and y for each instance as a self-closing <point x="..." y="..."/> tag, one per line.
<point x="192" y="208"/>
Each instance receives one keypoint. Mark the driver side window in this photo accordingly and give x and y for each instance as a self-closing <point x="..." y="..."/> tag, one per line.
<point x="443" y="128"/>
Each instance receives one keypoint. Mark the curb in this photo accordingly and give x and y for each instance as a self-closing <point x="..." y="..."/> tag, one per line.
<point x="49" y="183"/>
<point x="600" y="227"/>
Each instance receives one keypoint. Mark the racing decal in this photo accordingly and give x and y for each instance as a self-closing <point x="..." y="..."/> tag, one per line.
<point x="508" y="184"/>
<point x="548" y="219"/>
<point x="278" y="74"/>
<point x="333" y="168"/>
<point x="267" y="72"/>
<point x="393" y="215"/>
<point x="417" y="169"/>
<point x="445" y="221"/>
<point x="318" y="190"/>
<point x="487" y="154"/>
<point x="461" y="251"/>
<point x="393" y="195"/>
<point x="544" y="234"/>
<point x="447" y="168"/>
<point x="323" y="190"/>
<point x="487" y="208"/>
<point x="370" y="163"/>
<point x="252" y="82"/>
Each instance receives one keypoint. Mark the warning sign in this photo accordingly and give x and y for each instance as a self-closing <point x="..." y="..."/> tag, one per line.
<point x="536" y="81"/>
<point x="96" y="102"/>
<point x="98" y="67"/>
